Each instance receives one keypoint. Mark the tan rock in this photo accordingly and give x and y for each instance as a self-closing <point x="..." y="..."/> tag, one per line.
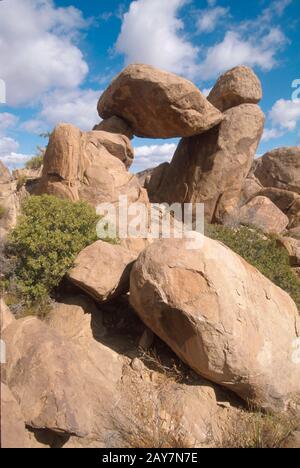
<point x="117" y="145"/>
<point x="13" y="433"/>
<point x="211" y="168"/>
<point x="102" y="270"/>
<point x="237" y="86"/>
<point x="64" y="384"/>
<point x="156" y="180"/>
<point x="5" y="175"/>
<point x="78" y="166"/>
<point x="115" y="125"/>
<point x="157" y="104"/>
<point x="293" y="248"/>
<point x="262" y="213"/>
<point x="227" y="321"/>
<point x="250" y="189"/>
<point x="280" y="168"/>
<point x="5" y="314"/>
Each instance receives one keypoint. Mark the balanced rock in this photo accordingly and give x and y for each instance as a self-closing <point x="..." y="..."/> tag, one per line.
<point x="222" y="317"/>
<point x="158" y="104"/>
<point x="211" y="168"/>
<point x="78" y="166"/>
<point x="280" y="168"/>
<point x="115" y="125"/>
<point x="237" y="86"/>
<point x="262" y="213"/>
<point x="102" y="270"/>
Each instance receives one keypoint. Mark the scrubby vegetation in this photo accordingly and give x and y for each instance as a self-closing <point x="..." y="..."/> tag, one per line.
<point x="262" y="252"/>
<point x="36" y="161"/>
<point x="2" y="211"/>
<point x="49" y="235"/>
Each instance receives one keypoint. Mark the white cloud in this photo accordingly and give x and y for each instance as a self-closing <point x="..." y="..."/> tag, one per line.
<point x="210" y="18"/>
<point x="152" y="33"/>
<point x="285" y="114"/>
<point x="148" y="156"/>
<point x="37" y="48"/>
<point x="235" y="50"/>
<point x="271" y="134"/>
<point x="7" y="146"/>
<point x="9" y="155"/>
<point x="7" y="121"/>
<point x="78" y="107"/>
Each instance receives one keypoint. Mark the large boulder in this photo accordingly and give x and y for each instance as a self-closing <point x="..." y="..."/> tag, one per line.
<point x="63" y="381"/>
<point x="6" y="317"/>
<point x="102" y="270"/>
<point x="116" y="144"/>
<point x="11" y="197"/>
<point x="237" y="86"/>
<point x="280" y="168"/>
<point x="13" y="432"/>
<point x="227" y="321"/>
<point x="262" y="213"/>
<point x="211" y="168"/>
<point x="158" y="104"/>
<point x="79" y="166"/>
<point x="115" y="125"/>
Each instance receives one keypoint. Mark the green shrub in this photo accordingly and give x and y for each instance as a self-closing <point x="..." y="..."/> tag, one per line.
<point x="2" y="211"/>
<point x="262" y="252"/>
<point x="49" y="235"/>
<point x="36" y="162"/>
<point x="21" y="181"/>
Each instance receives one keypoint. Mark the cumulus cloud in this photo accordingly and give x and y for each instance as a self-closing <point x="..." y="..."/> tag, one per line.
<point x="152" y="33"/>
<point x="9" y="155"/>
<point x="38" y="50"/>
<point x="236" y="50"/>
<point x="271" y="134"/>
<point x="210" y="18"/>
<point x="148" y="156"/>
<point x="7" y="121"/>
<point x="285" y="114"/>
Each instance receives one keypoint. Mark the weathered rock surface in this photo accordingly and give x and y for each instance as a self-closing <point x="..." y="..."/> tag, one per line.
<point x="157" y="104"/>
<point x="10" y="203"/>
<point x="211" y="168"/>
<point x="115" y="125"/>
<point x="5" y="175"/>
<point x="102" y="270"/>
<point x="280" y="168"/>
<point x="6" y="317"/>
<point x="78" y="166"/>
<point x="250" y="189"/>
<point x="262" y="213"/>
<point x="116" y="144"/>
<point x="63" y="381"/>
<point x="13" y="432"/>
<point x="237" y="86"/>
<point x="227" y="321"/>
<point x="293" y="248"/>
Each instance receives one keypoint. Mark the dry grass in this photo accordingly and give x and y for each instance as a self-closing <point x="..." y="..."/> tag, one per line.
<point x="258" y="430"/>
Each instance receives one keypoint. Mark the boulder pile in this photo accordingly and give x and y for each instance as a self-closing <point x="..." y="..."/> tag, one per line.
<point x="225" y="336"/>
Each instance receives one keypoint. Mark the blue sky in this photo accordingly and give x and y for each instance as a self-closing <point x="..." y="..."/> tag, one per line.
<point x="56" y="56"/>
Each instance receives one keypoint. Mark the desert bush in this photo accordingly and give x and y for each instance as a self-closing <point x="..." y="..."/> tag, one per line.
<point x="36" y="161"/>
<point x="2" y="211"/>
<point x="49" y="235"/>
<point x="259" y="430"/>
<point x="262" y="252"/>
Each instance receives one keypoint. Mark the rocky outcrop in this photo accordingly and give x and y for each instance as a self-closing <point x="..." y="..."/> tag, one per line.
<point x="227" y="321"/>
<point x="13" y="432"/>
<point x="157" y="104"/>
<point x="262" y="213"/>
<point x="78" y="166"/>
<point x="115" y="125"/>
<point x="280" y="168"/>
<point x="117" y="145"/>
<point x="103" y="270"/>
<point x="211" y="168"/>
<point x="237" y="86"/>
<point x="62" y="383"/>
<point x="5" y="175"/>
<point x="6" y="317"/>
